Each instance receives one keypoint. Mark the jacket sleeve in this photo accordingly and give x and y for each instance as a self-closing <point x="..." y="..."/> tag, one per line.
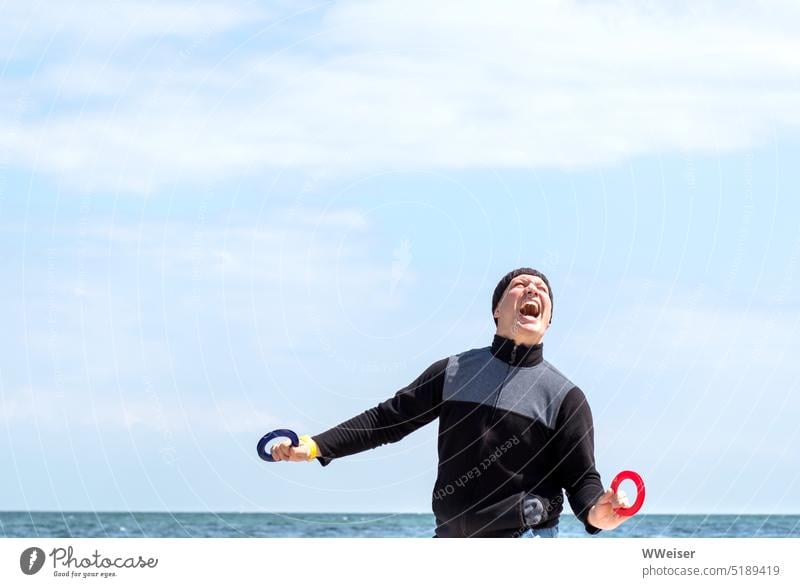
<point x="574" y="446"/>
<point x="411" y="408"/>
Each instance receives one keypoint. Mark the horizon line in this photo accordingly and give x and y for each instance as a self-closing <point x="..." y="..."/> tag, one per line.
<point x="340" y="512"/>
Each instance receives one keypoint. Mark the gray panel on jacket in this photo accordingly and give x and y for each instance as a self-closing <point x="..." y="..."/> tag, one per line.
<point x="535" y="392"/>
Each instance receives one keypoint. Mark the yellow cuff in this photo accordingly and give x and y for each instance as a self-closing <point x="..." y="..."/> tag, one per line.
<point x="314" y="449"/>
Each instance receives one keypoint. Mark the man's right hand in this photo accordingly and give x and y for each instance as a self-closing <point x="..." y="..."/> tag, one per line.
<point x="284" y="451"/>
<point x="603" y="514"/>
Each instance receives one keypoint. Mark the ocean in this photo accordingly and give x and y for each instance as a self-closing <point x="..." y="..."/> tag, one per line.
<point x="355" y="525"/>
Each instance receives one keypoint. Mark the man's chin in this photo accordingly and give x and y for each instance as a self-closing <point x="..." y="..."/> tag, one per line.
<point x="529" y="330"/>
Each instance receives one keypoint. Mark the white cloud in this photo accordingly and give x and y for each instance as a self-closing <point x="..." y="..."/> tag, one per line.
<point x="113" y="412"/>
<point x="31" y="25"/>
<point x="389" y="84"/>
<point x="713" y="338"/>
<point x="110" y="305"/>
<point x="291" y="245"/>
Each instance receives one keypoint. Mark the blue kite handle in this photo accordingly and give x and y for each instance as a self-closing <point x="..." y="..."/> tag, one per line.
<point x="262" y="444"/>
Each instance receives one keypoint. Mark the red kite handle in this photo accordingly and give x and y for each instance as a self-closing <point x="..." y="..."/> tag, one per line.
<point x="637" y="479"/>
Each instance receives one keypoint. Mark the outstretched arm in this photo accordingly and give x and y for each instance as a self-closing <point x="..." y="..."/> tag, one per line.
<point x="411" y="408"/>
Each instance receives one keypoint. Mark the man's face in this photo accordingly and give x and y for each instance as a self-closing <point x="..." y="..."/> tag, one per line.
<point x="523" y="313"/>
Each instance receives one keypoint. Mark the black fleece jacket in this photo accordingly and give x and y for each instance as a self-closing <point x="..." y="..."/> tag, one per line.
<point x="513" y="433"/>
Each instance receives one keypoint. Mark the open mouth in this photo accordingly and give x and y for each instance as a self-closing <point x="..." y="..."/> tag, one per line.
<point x="531" y="309"/>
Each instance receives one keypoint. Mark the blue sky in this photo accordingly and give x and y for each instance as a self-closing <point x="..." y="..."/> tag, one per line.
<point x="222" y="218"/>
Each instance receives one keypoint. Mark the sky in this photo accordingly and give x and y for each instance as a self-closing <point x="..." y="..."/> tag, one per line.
<point x="217" y="219"/>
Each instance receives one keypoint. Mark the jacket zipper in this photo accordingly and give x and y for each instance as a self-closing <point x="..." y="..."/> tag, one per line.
<point x="462" y="520"/>
<point x="503" y="384"/>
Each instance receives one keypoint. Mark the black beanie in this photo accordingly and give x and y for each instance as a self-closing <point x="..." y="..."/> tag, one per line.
<point x="503" y="284"/>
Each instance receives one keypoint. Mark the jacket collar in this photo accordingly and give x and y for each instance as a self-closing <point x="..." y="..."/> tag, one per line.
<point x="518" y="355"/>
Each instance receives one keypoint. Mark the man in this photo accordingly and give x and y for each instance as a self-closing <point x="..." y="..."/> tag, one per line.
<point x="513" y="431"/>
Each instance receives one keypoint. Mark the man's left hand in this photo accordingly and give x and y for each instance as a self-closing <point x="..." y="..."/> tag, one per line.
<point x="602" y="514"/>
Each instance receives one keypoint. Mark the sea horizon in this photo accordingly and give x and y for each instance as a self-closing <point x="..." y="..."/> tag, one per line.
<point x="227" y="524"/>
